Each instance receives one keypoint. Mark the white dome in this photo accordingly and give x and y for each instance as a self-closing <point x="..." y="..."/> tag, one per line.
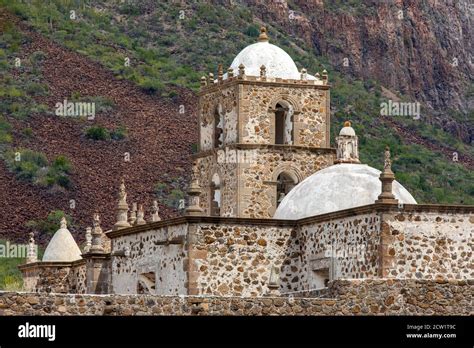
<point x="347" y="131"/>
<point x="62" y="246"/>
<point x="277" y="62"/>
<point x="338" y="187"/>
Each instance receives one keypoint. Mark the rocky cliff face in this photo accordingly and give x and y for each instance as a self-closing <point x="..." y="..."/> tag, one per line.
<point x="421" y="49"/>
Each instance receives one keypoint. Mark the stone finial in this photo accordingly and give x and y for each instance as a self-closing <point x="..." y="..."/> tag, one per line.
<point x="263" y="35"/>
<point x="32" y="255"/>
<point x="318" y="76"/>
<point x="211" y="78"/>
<point x="88" y="245"/>
<point x="63" y="223"/>
<point x="194" y="192"/>
<point x="122" y="208"/>
<point x="387" y="165"/>
<point x="140" y="216"/>
<point x="347" y="145"/>
<point x="96" y="245"/>
<point x="133" y="214"/>
<point x="304" y="74"/>
<point x="230" y="72"/>
<point x="387" y="177"/>
<point x="155" y="212"/>
<point x="325" y="76"/>
<point x="241" y="71"/>
<point x="220" y="72"/>
<point x="203" y="81"/>
<point x="263" y="72"/>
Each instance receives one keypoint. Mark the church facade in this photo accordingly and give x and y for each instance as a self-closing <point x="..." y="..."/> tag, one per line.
<point x="273" y="209"/>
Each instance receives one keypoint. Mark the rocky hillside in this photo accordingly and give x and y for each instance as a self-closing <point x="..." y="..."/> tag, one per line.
<point x="159" y="140"/>
<point x="142" y="61"/>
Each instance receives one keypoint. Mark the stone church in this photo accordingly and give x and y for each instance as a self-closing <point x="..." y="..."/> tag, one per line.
<point x="273" y="209"/>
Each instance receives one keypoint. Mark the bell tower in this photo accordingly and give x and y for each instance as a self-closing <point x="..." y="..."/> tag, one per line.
<point x="263" y="128"/>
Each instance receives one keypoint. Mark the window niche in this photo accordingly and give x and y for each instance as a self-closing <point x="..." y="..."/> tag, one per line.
<point x="285" y="183"/>
<point x="284" y="127"/>
<point x="218" y="127"/>
<point x="215" y="195"/>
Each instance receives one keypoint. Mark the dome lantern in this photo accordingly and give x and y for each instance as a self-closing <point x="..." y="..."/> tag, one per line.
<point x="347" y="145"/>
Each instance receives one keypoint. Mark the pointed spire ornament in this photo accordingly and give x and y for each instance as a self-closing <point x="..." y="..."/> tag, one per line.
<point x="155" y="212"/>
<point x="88" y="245"/>
<point x="230" y="72"/>
<point x="63" y="223"/>
<point x="220" y="73"/>
<point x="304" y="74"/>
<point x="325" y="76"/>
<point x="241" y="71"/>
<point x="387" y="177"/>
<point x="140" y="216"/>
<point x="122" y="208"/>
<point x="96" y="235"/>
<point x="203" y="81"/>
<point x="133" y="214"/>
<point x="194" y="192"/>
<point x="32" y="254"/>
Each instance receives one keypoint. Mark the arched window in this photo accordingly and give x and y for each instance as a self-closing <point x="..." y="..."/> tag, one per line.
<point x="215" y="195"/>
<point x="285" y="182"/>
<point x="283" y="123"/>
<point x="218" y="127"/>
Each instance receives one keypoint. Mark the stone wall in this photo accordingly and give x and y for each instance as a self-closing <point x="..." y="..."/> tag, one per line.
<point x="226" y="169"/>
<point x="350" y="246"/>
<point x="56" y="277"/>
<point x="222" y="101"/>
<point x="238" y="259"/>
<point x="309" y="103"/>
<point x="155" y="262"/>
<point x="428" y="244"/>
<point x="257" y="180"/>
<point x="360" y="297"/>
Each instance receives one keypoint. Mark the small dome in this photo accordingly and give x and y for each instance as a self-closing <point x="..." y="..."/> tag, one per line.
<point x="277" y="62"/>
<point x="338" y="187"/>
<point x="62" y="246"/>
<point x="347" y="130"/>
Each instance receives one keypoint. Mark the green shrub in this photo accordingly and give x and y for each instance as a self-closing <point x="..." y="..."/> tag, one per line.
<point x="51" y="224"/>
<point x="27" y="132"/>
<point x="10" y="276"/>
<point x="97" y="133"/>
<point x="252" y="31"/>
<point x="37" y="57"/>
<point x="36" y="89"/>
<point x="151" y="86"/>
<point x="5" y="128"/>
<point x="25" y="163"/>
<point x="119" y="133"/>
<point x="33" y="166"/>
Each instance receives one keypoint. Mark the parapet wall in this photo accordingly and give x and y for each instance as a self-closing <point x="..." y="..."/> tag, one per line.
<point x="348" y="297"/>
<point x="55" y="277"/>
<point x="425" y="243"/>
